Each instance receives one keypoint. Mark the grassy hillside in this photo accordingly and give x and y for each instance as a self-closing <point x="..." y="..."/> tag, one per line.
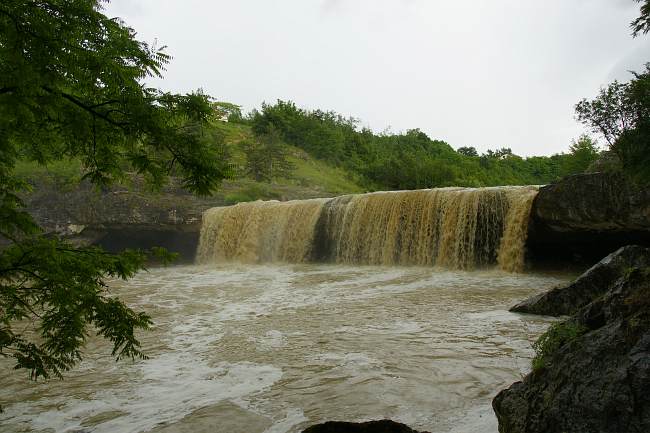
<point x="310" y="178"/>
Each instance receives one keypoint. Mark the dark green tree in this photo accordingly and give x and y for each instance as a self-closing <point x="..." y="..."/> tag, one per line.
<point x="467" y="151"/>
<point x="71" y="87"/>
<point x="609" y="114"/>
<point x="621" y="114"/>
<point x="398" y="160"/>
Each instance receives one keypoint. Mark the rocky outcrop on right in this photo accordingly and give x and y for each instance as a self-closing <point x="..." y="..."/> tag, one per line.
<point x="567" y="300"/>
<point x="594" y="376"/>
<point x="587" y="216"/>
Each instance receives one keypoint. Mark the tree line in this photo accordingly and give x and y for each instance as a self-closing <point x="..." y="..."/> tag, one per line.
<point x="407" y="160"/>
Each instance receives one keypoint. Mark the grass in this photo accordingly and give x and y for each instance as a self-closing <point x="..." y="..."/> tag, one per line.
<point x="311" y="172"/>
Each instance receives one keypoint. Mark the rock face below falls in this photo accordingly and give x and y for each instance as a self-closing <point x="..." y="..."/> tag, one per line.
<point x="597" y="382"/>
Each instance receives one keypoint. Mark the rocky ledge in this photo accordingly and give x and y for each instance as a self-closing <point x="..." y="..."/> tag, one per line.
<point x="120" y="217"/>
<point x="595" y="376"/>
<point x="586" y="216"/>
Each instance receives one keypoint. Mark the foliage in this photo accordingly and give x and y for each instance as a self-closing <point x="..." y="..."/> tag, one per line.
<point x="642" y="23"/>
<point x="71" y="90"/>
<point x="621" y="114"/>
<point x="503" y="153"/>
<point x="583" y="152"/>
<point x="238" y="197"/>
<point x="226" y="110"/>
<point x="467" y="151"/>
<point x="556" y="336"/>
<point x="608" y="114"/>
<point x="251" y="192"/>
<point x="407" y="160"/>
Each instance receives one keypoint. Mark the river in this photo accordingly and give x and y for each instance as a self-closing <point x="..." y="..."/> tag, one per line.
<point x="276" y="348"/>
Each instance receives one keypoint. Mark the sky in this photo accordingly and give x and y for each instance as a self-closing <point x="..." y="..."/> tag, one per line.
<point x="482" y="73"/>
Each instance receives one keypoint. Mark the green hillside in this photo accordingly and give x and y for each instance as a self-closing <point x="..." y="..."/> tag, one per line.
<point x="283" y="153"/>
<point x="309" y="178"/>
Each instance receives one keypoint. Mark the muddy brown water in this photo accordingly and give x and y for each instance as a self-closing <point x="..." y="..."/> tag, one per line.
<point x="275" y="348"/>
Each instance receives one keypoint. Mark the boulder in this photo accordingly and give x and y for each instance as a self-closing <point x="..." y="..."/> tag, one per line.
<point x="595" y="202"/>
<point x="586" y="216"/>
<point x="597" y="382"/>
<point x="383" y="426"/>
<point x="567" y="300"/>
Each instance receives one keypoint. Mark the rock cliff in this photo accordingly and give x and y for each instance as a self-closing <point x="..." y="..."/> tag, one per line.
<point x="120" y="217"/>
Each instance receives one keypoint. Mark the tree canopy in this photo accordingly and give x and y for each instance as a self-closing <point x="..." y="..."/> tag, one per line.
<point x="407" y="160"/>
<point x="72" y="87"/>
<point x="621" y="114"/>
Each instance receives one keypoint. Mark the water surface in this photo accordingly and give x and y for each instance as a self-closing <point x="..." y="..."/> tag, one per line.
<point x="273" y="349"/>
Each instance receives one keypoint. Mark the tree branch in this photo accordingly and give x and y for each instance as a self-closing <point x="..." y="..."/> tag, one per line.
<point x="88" y="108"/>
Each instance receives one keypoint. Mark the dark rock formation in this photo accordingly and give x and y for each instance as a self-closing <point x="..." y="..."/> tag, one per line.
<point x="596" y="383"/>
<point x="587" y="216"/>
<point x="567" y="300"/>
<point x="383" y="426"/>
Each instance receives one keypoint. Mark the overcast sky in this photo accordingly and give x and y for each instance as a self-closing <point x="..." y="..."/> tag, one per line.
<point x="483" y="73"/>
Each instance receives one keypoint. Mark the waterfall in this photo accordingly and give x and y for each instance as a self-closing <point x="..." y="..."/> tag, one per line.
<point x="458" y="228"/>
<point x="261" y="231"/>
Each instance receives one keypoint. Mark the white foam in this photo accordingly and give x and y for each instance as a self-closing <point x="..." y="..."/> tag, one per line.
<point x="178" y="384"/>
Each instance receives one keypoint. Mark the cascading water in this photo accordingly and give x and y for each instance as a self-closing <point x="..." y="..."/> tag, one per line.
<point x="458" y="228"/>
